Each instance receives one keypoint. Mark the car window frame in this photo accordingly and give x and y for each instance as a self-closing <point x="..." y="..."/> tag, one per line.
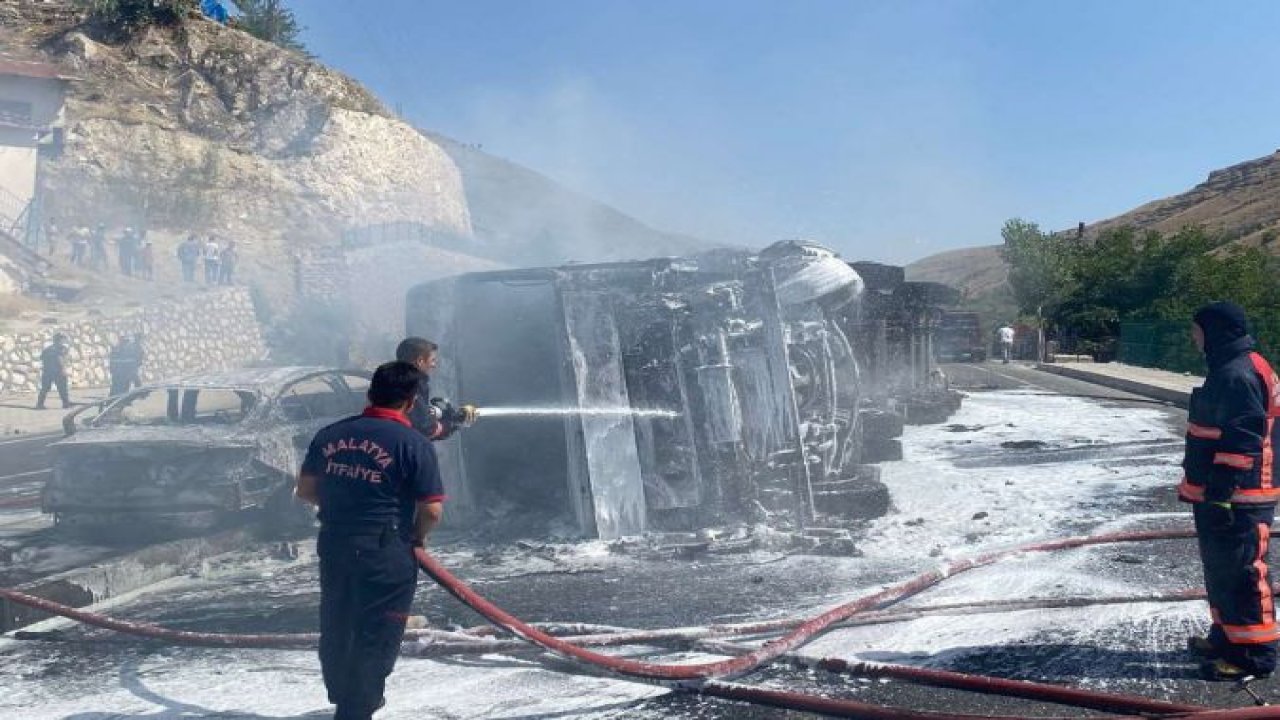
<point x="332" y="378"/>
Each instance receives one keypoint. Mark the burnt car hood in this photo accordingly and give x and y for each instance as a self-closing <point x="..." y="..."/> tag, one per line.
<point x="147" y="467"/>
<point x="178" y="436"/>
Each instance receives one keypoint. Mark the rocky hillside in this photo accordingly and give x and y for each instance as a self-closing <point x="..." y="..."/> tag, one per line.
<point x="1241" y="201"/>
<point x="203" y="128"/>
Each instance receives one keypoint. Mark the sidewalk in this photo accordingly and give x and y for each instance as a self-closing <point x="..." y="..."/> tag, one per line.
<point x="1148" y="382"/>
<point x="18" y="415"/>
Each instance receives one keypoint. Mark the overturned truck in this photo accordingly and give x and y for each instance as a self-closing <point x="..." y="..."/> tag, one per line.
<point x="666" y="394"/>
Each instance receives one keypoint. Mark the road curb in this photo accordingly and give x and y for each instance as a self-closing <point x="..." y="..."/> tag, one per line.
<point x="1155" y="392"/>
<point x="107" y="579"/>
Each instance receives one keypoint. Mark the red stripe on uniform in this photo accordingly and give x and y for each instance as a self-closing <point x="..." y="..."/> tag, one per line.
<point x="1235" y="460"/>
<point x="1271" y="384"/>
<point x="1190" y="492"/>
<point x="1264" y="585"/>
<point x="1204" y="432"/>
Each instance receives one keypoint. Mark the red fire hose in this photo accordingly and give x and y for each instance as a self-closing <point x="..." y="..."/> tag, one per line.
<point x="1108" y="702"/>
<point x="694" y="674"/>
<point x="706" y="678"/>
<point x="699" y="677"/>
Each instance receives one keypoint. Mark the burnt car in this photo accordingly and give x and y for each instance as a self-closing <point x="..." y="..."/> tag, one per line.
<point x="192" y="453"/>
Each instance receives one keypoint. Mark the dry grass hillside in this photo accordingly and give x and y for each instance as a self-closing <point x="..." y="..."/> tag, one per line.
<point x="972" y="271"/>
<point x="1241" y="202"/>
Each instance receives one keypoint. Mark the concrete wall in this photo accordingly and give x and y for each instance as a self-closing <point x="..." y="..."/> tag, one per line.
<point x="17" y="179"/>
<point x="212" y="330"/>
<point x="44" y="96"/>
<point x="18" y="145"/>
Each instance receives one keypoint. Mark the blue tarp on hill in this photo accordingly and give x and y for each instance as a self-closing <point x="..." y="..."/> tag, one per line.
<point x="214" y="10"/>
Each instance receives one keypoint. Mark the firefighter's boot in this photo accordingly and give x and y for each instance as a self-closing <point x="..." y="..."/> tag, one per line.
<point x="1201" y="647"/>
<point x="1220" y="670"/>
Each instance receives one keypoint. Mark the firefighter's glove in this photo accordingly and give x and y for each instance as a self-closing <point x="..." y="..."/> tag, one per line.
<point x="1219" y="516"/>
<point x="452" y="417"/>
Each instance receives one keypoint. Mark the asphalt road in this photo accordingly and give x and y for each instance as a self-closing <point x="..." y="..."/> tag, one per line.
<point x="25" y="465"/>
<point x="1030" y="455"/>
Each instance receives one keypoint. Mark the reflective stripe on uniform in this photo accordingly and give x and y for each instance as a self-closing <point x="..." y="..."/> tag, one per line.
<point x="1189" y="492"/>
<point x="1204" y="432"/>
<point x="1268" y="454"/>
<point x="1264" y="584"/>
<point x="1271" y="383"/>
<point x="1251" y="634"/>
<point x="1256" y="496"/>
<point x="1235" y="460"/>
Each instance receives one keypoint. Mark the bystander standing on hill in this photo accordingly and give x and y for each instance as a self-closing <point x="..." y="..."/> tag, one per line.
<point x="188" y="256"/>
<point x="51" y="237"/>
<point x="227" y="263"/>
<point x="79" y="244"/>
<point x="98" y="248"/>
<point x="212" y="258"/>
<point x="127" y="250"/>
<point x="147" y="261"/>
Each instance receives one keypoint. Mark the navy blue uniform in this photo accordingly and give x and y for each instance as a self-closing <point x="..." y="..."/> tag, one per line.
<point x="1232" y="432"/>
<point x="372" y="469"/>
<point x="53" y="372"/>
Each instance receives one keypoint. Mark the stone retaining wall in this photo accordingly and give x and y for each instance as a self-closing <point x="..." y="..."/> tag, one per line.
<point x="212" y="330"/>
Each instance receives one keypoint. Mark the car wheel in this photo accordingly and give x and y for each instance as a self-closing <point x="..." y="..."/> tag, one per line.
<point x="284" y="515"/>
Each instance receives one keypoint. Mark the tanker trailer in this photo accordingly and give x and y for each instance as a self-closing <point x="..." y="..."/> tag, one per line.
<point x="668" y="394"/>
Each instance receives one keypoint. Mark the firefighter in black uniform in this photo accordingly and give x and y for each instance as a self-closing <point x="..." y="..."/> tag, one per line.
<point x="1232" y="433"/>
<point x="379" y="491"/>
<point x="436" y="418"/>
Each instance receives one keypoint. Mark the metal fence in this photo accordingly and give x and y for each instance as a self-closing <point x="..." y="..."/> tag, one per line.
<point x="399" y="232"/>
<point x="1167" y="344"/>
<point x="1160" y="344"/>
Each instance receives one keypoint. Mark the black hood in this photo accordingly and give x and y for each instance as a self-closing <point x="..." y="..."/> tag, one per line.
<point x="1226" y="331"/>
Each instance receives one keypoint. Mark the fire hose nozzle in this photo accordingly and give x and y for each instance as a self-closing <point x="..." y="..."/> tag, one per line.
<point x="453" y="415"/>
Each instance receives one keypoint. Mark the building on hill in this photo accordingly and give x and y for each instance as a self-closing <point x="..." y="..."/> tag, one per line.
<point x="31" y="103"/>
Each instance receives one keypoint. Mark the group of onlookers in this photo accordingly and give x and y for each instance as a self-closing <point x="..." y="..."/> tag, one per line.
<point x="136" y="254"/>
<point x="219" y="260"/>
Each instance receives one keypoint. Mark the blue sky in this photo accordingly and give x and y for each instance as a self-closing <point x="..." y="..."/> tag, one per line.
<point x="888" y="130"/>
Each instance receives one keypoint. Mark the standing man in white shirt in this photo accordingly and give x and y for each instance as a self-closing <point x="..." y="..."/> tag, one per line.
<point x="212" y="260"/>
<point x="1005" y="335"/>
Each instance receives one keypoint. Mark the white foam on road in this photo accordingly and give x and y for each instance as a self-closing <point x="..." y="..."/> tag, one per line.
<point x="941" y="510"/>
<point x="937" y="516"/>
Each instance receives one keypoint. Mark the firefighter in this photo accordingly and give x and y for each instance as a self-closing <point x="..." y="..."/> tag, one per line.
<point x="1229" y="479"/>
<point x="378" y="488"/>
<point x="436" y="418"/>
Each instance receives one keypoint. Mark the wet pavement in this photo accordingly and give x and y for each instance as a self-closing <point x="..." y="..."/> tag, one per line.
<point x="1029" y="456"/>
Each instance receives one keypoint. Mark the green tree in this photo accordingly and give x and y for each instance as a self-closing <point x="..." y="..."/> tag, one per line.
<point x="1146" y="282"/>
<point x="121" y="18"/>
<point x="270" y="20"/>
<point x="1039" y="269"/>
